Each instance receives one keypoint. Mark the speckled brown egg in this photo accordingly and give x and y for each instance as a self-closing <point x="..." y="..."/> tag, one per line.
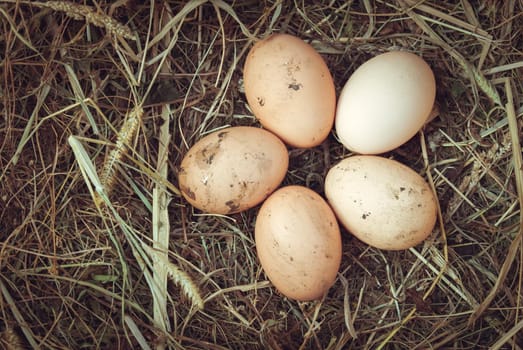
<point x="232" y="169"/>
<point x="298" y="242"/>
<point x="382" y="202"/>
<point x="290" y="89"/>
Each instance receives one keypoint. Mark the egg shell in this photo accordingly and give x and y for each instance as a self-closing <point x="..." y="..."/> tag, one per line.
<point x="232" y="169"/>
<point x="382" y="202"/>
<point x="385" y="102"/>
<point x="290" y="90"/>
<point x="298" y="242"/>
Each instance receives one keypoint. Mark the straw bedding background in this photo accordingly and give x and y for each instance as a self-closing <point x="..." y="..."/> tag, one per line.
<point x="100" y="100"/>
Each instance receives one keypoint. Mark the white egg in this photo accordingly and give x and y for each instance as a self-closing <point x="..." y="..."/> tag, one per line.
<point x="385" y="102"/>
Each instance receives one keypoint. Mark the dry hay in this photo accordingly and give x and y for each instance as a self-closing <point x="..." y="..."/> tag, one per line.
<point x="82" y="269"/>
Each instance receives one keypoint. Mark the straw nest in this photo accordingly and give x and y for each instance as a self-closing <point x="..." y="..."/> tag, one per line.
<point x="101" y="100"/>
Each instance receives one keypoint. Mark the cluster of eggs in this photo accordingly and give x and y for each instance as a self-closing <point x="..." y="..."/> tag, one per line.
<point x="291" y="92"/>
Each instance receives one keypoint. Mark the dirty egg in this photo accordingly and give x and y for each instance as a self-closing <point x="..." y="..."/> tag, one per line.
<point x="290" y="90"/>
<point x="298" y="242"/>
<point x="233" y="169"/>
<point x="382" y="202"/>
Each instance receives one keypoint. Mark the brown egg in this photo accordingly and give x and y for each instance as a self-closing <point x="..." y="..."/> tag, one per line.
<point x="298" y="242"/>
<point x="232" y="169"/>
<point x="290" y="90"/>
<point x="381" y="201"/>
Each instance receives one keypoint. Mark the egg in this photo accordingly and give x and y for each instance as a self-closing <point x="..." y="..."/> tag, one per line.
<point x="381" y="201"/>
<point x="385" y="102"/>
<point x="232" y="169"/>
<point x="298" y="242"/>
<point x="290" y="90"/>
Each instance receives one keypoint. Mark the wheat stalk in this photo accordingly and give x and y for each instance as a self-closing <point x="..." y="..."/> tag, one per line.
<point x="80" y="12"/>
<point x="123" y="139"/>
<point x="10" y="340"/>
<point x="484" y="84"/>
<point x="178" y="276"/>
<point x="87" y="13"/>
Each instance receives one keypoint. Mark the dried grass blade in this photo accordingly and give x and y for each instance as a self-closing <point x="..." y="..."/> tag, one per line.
<point x="506" y="337"/>
<point x="372" y="20"/>
<point x="142" y="166"/>
<point x="159" y="272"/>
<point x="242" y="288"/>
<point x="469" y="12"/>
<point x="33" y="131"/>
<point x="160" y="217"/>
<point x="222" y="59"/>
<point x="161" y="221"/>
<point x="42" y="95"/>
<point x="504" y="68"/>
<point x="136" y="247"/>
<point x="127" y="67"/>
<point x="99" y="196"/>
<point x="443" y="231"/>
<point x="13" y="29"/>
<point x="275" y="15"/>
<point x="518" y="173"/>
<point x="188" y="8"/>
<point x="165" y="54"/>
<point x="18" y="316"/>
<point x="140" y="254"/>
<point x="470" y="29"/>
<point x="392" y="333"/>
<point x="86" y="166"/>
<point x="136" y="332"/>
<point x="348" y="318"/>
<point x="144" y="196"/>
<point x="80" y="97"/>
<point x="463" y="294"/>
<point x="455" y="28"/>
<point x="227" y="8"/>
<point x="95" y="287"/>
